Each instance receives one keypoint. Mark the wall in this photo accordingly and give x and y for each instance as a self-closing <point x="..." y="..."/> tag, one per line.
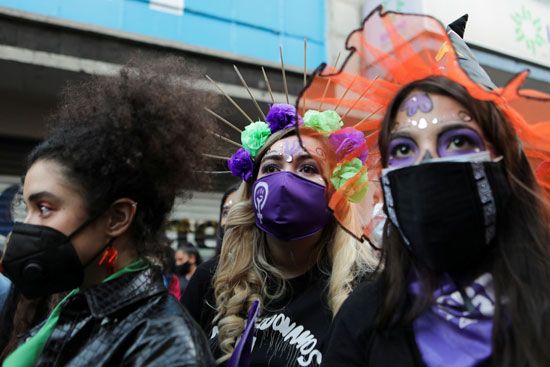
<point x="241" y="27"/>
<point x="343" y="17"/>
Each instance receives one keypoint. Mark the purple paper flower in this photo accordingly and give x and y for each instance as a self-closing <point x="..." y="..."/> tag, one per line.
<point x="282" y="116"/>
<point x="348" y="140"/>
<point x="241" y="164"/>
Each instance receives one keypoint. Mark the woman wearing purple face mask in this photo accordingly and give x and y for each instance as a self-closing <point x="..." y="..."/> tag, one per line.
<point x="283" y="247"/>
<point x="466" y="266"/>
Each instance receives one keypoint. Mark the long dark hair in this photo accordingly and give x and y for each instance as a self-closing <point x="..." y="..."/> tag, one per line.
<point x="520" y="261"/>
<point x="19" y="315"/>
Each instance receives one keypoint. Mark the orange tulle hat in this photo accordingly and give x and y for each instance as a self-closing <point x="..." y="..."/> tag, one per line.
<point x="388" y="52"/>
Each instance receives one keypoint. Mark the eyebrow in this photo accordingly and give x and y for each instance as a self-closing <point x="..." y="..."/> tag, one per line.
<point x="277" y="156"/>
<point x="403" y="133"/>
<point x="273" y="156"/>
<point x="42" y="195"/>
<point x="303" y="156"/>
<point x="448" y="124"/>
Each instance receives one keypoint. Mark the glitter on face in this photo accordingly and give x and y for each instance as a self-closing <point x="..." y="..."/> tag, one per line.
<point x="422" y="123"/>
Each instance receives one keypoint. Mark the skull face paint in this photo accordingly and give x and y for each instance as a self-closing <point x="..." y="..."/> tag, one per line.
<point x="440" y="127"/>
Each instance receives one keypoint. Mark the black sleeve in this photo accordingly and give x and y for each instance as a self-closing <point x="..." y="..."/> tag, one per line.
<point x="198" y="297"/>
<point x="351" y="329"/>
<point x="172" y="341"/>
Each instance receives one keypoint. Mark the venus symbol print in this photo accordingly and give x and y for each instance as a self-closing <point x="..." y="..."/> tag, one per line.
<point x="261" y="191"/>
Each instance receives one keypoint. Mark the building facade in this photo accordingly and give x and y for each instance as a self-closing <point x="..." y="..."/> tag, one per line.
<point x="45" y="43"/>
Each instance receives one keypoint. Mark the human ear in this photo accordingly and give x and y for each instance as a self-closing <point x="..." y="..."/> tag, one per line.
<point x="120" y="216"/>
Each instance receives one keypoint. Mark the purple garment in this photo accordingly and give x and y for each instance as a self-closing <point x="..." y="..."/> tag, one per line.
<point x="243" y="349"/>
<point x="289" y="207"/>
<point x="450" y="335"/>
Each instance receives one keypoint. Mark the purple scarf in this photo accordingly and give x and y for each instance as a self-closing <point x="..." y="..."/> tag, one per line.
<point x="448" y="333"/>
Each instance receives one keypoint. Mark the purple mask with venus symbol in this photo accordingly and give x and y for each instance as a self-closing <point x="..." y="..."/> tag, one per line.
<point x="289" y="207"/>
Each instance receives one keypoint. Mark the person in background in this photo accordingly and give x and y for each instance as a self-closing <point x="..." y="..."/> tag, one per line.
<point x="5" y="286"/>
<point x="98" y="191"/>
<point x="228" y="199"/>
<point x="187" y="259"/>
<point x="170" y="276"/>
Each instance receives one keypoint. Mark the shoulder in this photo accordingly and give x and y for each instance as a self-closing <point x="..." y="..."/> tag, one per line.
<point x="362" y="304"/>
<point x="205" y="271"/>
<point x="199" y="293"/>
<point x="168" y="335"/>
<point x="352" y="329"/>
<point x="201" y="281"/>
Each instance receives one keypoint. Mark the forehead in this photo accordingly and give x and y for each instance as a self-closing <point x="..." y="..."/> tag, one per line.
<point x="291" y="145"/>
<point x="47" y="175"/>
<point x="230" y="199"/>
<point x="421" y="110"/>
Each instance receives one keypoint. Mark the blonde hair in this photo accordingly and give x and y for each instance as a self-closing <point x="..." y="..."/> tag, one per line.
<point x="244" y="267"/>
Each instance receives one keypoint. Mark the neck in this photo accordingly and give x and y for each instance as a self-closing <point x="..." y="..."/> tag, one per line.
<point x="95" y="273"/>
<point x="191" y="271"/>
<point x="294" y="258"/>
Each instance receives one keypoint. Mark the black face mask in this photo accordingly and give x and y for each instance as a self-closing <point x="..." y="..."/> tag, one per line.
<point x="446" y="212"/>
<point x="183" y="269"/>
<point x="40" y="260"/>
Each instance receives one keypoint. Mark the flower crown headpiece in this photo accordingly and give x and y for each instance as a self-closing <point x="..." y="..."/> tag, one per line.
<point x="348" y="164"/>
<point x="390" y="51"/>
<point x="349" y="143"/>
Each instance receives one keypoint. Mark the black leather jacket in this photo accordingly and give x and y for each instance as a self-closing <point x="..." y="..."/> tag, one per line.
<point x="128" y="321"/>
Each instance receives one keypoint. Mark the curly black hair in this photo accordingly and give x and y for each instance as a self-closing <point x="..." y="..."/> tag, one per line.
<point x="139" y="135"/>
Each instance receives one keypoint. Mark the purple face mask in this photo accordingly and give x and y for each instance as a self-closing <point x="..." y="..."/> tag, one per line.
<point x="289" y="207"/>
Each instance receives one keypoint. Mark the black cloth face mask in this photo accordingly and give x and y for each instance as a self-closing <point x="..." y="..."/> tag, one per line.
<point x="183" y="269"/>
<point x="41" y="261"/>
<point x="446" y="212"/>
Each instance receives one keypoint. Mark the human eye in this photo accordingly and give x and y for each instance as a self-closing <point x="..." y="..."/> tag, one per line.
<point x="459" y="141"/>
<point x="270" y="168"/>
<point x="402" y="152"/>
<point x="45" y="209"/>
<point x="224" y="212"/>
<point x="309" y="168"/>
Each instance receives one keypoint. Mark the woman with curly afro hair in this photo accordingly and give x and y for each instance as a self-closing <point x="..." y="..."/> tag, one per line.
<point x="98" y="191"/>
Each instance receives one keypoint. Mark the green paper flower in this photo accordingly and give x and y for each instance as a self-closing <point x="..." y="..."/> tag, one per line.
<point x="254" y="137"/>
<point x="345" y="171"/>
<point x="326" y="121"/>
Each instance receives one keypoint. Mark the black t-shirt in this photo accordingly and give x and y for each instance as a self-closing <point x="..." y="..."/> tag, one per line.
<point x="354" y="341"/>
<point x="289" y="332"/>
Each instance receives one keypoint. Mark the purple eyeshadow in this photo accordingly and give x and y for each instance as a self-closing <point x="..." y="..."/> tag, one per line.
<point x="472" y="141"/>
<point x="394" y="145"/>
